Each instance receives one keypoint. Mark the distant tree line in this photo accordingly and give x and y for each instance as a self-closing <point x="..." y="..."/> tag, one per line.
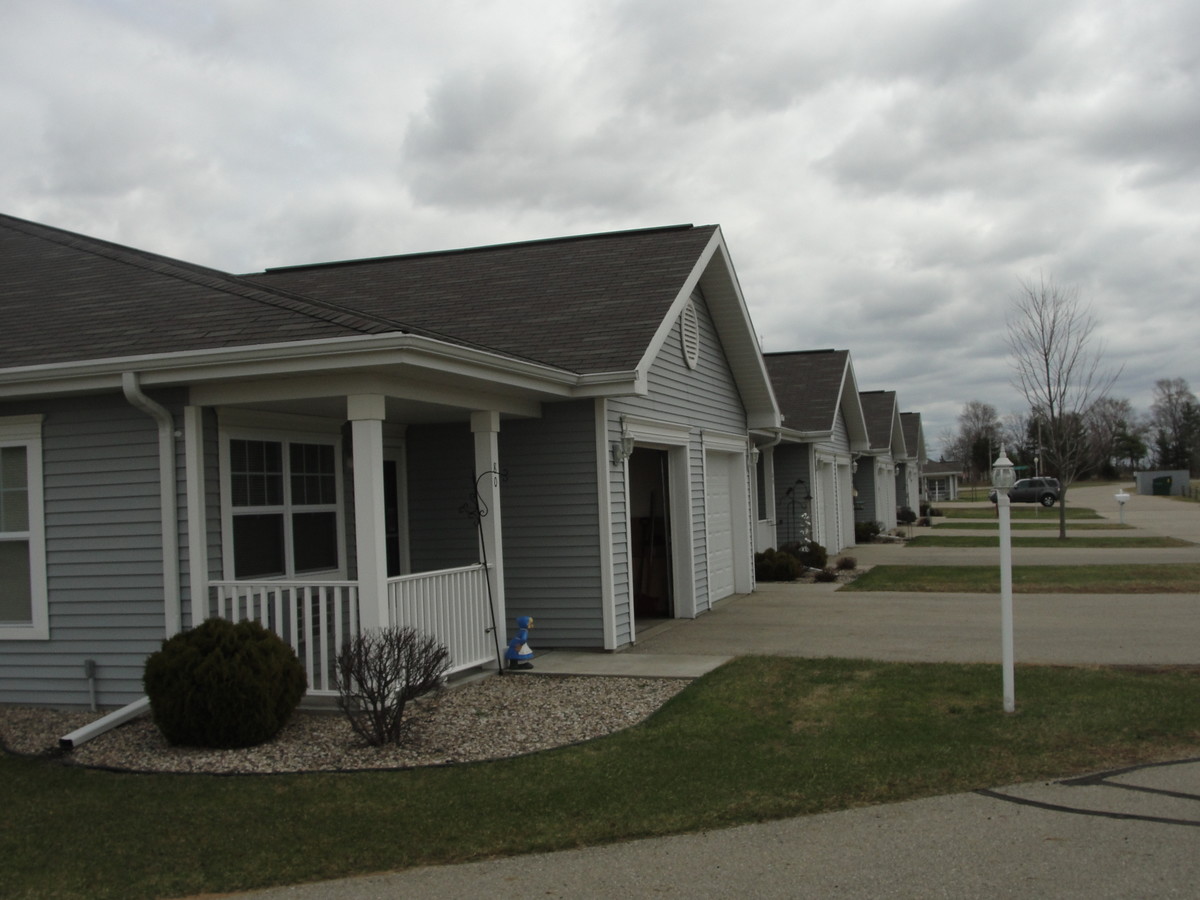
<point x="1116" y="439"/>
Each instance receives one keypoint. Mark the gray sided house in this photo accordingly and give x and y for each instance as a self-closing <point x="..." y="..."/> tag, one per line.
<point x="909" y="467"/>
<point x="875" y="472"/>
<point x="447" y="440"/>
<point x="806" y="464"/>
<point x="941" y="480"/>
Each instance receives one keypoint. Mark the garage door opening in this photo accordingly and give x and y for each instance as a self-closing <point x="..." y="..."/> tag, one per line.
<point x="650" y="536"/>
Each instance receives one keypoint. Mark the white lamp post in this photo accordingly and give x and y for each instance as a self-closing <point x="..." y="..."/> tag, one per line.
<point x="1122" y="498"/>
<point x="1003" y="477"/>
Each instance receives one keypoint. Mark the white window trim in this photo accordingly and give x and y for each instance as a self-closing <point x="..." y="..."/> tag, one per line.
<point x="278" y="429"/>
<point x="26" y="431"/>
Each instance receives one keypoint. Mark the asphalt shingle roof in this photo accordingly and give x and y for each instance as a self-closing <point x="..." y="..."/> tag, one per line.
<point x="585" y="304"/>
<point x="879" y="409"/>
<point x="807" y="387"/>
<point x="910" y="422"/>
<point x="66" y="298"/>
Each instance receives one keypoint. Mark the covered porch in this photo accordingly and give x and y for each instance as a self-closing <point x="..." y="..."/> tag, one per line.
<point x="323" y="516"/>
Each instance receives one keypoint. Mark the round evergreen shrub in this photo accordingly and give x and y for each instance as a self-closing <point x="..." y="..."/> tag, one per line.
<point x="223" y="685"/>
<point x="775" y="565"/>
<point x="811" y="555"/>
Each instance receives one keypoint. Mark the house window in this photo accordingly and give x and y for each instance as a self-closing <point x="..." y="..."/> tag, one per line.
<point x="283" y="507"/>
<point x="23" y="608"/>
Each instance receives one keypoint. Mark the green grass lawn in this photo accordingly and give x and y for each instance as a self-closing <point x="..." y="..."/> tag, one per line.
<point x="990" y="540"/>
<point x="759" y="738"/>
<point x="1132" y="579"/>
<point x="1026" y="525"/>
<point x="1020" y="512"/>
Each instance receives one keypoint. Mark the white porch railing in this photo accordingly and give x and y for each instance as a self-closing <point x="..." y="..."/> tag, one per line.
<point x="451" y="605"/>
<point x="314" y="617"/>
<point x="317" y="617"/>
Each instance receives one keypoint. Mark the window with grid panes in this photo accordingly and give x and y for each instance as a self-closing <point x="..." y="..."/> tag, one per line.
<point x="284" y="507"/>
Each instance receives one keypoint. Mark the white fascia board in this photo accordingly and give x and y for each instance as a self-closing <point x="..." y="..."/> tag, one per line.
<point x="311" y="386"/>
<point x="309" y="357"/>
<point x="792" y="436"/>
<point x="850" y="403"/>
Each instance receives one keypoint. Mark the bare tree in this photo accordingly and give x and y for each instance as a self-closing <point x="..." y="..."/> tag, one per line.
<point x="977" y="436"/>
<point x="1175" y="415"/>
<point x="1107" y="420"/>
<point x="1060" y="373"/>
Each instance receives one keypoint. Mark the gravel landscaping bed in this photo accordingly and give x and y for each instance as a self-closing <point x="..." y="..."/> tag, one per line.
<point x="487" y="719"/>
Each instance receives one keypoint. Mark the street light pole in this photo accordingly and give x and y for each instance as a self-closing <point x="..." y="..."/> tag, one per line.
<point x="1003" y="477"/>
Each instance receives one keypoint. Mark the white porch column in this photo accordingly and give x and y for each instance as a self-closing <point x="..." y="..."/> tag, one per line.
<point x="485" y="426"/>
<point x="197" y="536"/>
<point x="366" y="413"/>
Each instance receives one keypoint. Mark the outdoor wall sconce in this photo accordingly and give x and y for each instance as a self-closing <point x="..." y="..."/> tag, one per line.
<point x="622" y="449"/>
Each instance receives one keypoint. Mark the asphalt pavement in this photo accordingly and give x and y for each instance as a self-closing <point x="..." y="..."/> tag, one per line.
<point x="1128" y="833"/>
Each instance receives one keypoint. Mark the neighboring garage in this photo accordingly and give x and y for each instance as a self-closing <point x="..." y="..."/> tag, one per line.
<point x="727" y="524"/>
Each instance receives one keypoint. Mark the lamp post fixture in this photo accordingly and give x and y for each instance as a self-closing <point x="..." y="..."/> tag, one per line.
<point x="1003" y="477"/>
<point x="1122" y="498"/>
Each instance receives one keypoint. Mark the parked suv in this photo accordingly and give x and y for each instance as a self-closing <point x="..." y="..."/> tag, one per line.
<point x="1032" y="490"/>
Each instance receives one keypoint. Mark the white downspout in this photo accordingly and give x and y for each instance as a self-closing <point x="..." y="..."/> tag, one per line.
<point x="172" y="600"/>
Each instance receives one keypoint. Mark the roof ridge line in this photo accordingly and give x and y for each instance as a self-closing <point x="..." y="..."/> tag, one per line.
<point x="482" y="248"/>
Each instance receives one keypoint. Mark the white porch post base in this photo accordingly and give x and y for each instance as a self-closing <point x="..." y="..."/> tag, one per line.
<point x="366" y="413"/>
<point x="485" y="426"/>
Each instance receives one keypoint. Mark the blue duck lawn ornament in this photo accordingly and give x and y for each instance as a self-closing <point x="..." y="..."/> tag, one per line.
<point x="518" y="653"/>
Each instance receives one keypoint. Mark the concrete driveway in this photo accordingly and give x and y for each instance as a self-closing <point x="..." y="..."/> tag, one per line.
<point x="818" y="620"/>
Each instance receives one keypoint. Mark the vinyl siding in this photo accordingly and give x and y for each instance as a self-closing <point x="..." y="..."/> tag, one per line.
<point x="103" y="553"/>
<point x="704" y="398"/>
<point x="551" y="525"/>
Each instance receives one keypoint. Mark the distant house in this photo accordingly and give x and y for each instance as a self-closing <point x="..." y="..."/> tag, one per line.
<point x="807" y="463"/>
<point x="875" y="472"/>
<point x="556" y="428"/>
<point x="942" y="480"/>
<point x="909" y="487"/>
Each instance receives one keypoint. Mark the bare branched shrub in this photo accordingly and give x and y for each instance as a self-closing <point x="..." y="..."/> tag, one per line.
<point x="382" y="669"/>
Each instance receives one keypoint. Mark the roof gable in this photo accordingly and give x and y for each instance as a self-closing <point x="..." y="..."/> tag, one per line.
<point x="812" y="386"/>
<point x="883" y="422"/>
<point x="914" y="435"/>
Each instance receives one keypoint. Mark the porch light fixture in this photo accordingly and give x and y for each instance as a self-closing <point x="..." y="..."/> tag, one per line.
<point x="755" y="453"/>
<point x="1003" y="477"/>
<point x="622" y="449"/>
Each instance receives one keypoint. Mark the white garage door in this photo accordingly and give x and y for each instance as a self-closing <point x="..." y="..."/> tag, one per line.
<point x="719" y="495"/>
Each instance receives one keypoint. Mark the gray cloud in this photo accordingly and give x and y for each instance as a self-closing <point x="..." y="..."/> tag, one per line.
<point x="884" y="172"/>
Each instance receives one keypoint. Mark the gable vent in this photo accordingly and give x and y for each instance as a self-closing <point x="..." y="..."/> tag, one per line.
<point x="689" y="325"/>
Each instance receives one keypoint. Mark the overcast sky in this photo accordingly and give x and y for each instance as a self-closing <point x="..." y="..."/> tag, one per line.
<point x="884" y="172"/>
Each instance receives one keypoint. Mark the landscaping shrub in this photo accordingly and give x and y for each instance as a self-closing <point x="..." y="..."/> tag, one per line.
<point x="905" y="516"/>
<point x="223" y="685"/>
<point x="847" y="563"/>
<point x="865" y="532"/>
<point x="379" y="671"/>
<point x="775" y="565"/>
<point x="810" y="554"/>
<point x="826" y="574"/>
